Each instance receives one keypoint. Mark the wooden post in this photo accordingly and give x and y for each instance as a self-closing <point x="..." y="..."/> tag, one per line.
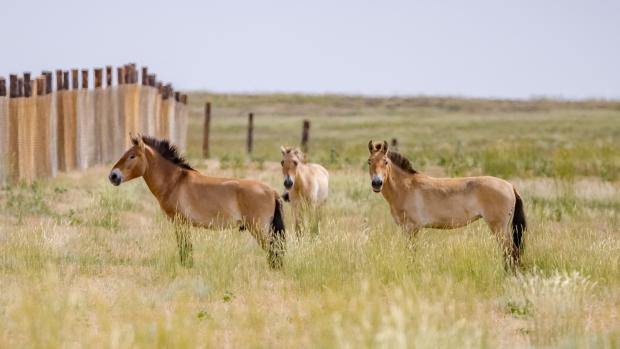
<point x="13" y="86"/>
<point x="59" y="83"/>
<point x="75" y="79"/>
<point x="250" y="139"/>
<point x="184" y="99"/>
<point x="2" y="87"/>
<point x="145" y="76"/>
<point x="85" y="79"/>
<point x="126" y="79"/>
<point x="27" y="85"/>
<point x="394" y="144"/>
<point x="152" y="79"/>
<point x="305" y="133"/>
<point x="177" y="96"/>
<point x="120" y="75"/>
<point x="168" y="91"/>
<point x="108" y="75"/>
<point x="40" y="86"/>
<point x="205" y="134"/>
<point x="98" y="77"/>
<point x="65" y="80"/>
<point x="48" y="82"/>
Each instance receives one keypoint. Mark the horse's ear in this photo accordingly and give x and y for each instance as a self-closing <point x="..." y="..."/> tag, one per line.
<point x="136" y="140"/>
<point x="283" y="150"/>
<point x="385" y="147"/>
<point x="370" y="149"/>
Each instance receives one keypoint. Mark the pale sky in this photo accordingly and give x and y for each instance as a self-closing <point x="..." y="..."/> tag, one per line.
<point x="512" y="48"/>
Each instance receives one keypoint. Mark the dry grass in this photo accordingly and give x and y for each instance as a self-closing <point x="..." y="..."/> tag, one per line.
<point x="84" y="264"/>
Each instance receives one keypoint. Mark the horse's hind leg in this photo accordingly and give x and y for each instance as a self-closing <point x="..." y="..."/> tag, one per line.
<point x="501" y="230"/>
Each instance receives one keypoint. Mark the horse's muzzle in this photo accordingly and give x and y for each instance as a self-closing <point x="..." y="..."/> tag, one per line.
<point x="288" y="182"/>
<point x="115" y="177"/>
<point x="377" y="184"/>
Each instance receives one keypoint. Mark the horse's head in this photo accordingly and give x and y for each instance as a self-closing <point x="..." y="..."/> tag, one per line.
<point x="131" y="165"/>
<point x="378" y="164"/>
<point x="291" y="158"/>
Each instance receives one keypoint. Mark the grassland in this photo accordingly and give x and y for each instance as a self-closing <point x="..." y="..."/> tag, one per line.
<point x="85" y="264"/>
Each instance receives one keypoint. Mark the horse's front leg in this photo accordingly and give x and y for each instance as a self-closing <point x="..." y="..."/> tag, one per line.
<point x="184" y="242"/>
<point x="408" y="226"/>
<point x="300" y="212"/>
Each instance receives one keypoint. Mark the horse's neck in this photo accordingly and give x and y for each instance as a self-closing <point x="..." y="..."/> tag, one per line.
<point x="397" y="184"/>
<point x="160" y="175"/>
<point x="302" y="176"/>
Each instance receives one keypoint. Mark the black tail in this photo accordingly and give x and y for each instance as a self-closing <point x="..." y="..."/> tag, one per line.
<point x="519" y="225"/>
<point x="278" y="238"/>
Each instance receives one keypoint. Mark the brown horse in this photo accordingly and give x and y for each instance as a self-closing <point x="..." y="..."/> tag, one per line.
<point x="418" y="201"/>
<point x="185" y="194"/>
<point x="306" y="184"/>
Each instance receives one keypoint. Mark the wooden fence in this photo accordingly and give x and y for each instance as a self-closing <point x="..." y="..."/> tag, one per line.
<point x="44" y="131"/>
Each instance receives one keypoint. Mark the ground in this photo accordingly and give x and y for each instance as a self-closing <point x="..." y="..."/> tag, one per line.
<point x="86" y="264"/>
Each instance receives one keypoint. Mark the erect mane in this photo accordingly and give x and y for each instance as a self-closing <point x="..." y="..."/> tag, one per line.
<point x="297" y="152"/>
<point x="167" y="150"/>
<point x="402" y="162"/>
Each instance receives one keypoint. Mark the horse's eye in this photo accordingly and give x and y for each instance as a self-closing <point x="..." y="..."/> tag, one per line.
<point x="131" y="157"/>
<point x="385" y="162"/>
<point x="282" y="162"/>
<point x="295" y="163"/>
<point x="369" y="162"/>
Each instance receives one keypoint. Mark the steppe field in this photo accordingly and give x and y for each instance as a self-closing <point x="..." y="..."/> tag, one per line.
<point x="86" y="264"/>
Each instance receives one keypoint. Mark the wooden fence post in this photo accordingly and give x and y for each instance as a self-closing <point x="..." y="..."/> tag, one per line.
<point x="41" y="86"/>
<point x="394" y="144"/>
<point x="13" y="86"/>
<point x="108" y="75"/>
<point x="205" y="134"/>
<point x="98" y="77"/>
<point x="2" y="87"/>
<point x="48" y="82"/>
<point x="145" y="76"/>
<point x="120" y="75"/>
<point x="85" y="79"/>
<point x="75" y="79"/>
<point x="27" y="85"/>
<point x="250" y="139"/>
<point x="305" y="134"/>
<point x="65" y="80"/>
<point x="59" y="83"/>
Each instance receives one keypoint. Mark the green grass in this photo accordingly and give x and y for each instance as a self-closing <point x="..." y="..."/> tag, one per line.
<point x="85" y="264"/>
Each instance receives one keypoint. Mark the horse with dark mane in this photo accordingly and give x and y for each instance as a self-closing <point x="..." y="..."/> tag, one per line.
<point x="191" y="197"/>
<point x="418" y="201"/>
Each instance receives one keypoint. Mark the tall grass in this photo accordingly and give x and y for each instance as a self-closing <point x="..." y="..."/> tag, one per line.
<point x="84" y="264"/>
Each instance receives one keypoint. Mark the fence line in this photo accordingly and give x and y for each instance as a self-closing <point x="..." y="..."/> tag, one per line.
<point x="44" y="131"/>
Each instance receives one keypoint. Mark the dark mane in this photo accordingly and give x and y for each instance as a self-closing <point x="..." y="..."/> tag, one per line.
<point x="168" y="150"/>
<point x="402" y="162"/>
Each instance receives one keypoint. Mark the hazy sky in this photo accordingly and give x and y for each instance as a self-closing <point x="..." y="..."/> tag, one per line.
<point x="513" y="48"/>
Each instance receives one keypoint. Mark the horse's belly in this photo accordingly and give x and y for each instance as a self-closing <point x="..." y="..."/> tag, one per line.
<point x="213" y="216"/>
<point x="447" y="214"/>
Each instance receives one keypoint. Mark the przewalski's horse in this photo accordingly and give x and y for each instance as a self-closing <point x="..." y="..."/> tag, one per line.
<point x="306" y="184"/>
<point x="185" y="194"/>
<point x="418" y="201"/>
